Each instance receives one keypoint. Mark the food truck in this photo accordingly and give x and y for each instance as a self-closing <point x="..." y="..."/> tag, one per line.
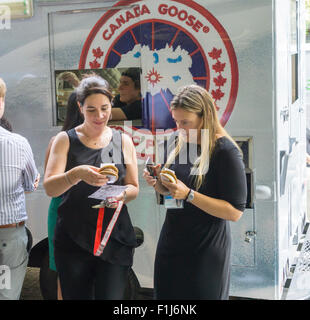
<point x="248" y="54"/>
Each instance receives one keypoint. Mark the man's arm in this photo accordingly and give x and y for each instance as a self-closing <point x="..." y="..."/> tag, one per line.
<point x="31" y="176"/>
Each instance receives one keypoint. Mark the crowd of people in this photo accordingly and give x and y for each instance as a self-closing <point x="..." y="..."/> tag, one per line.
<point x="193" y="252"/>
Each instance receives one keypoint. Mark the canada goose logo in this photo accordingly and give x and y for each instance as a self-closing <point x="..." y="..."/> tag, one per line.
<point x="175" y="42"/>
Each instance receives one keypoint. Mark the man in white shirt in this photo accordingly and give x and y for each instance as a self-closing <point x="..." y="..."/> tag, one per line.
<point x="18" y="174"/>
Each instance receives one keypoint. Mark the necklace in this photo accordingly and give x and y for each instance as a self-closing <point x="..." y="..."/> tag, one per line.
<point x="101" y="141"/>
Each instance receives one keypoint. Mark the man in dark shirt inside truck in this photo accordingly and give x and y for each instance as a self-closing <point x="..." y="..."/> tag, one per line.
<point x="127" y="104"/>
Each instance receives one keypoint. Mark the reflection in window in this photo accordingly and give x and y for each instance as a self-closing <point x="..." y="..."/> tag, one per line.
<point x="124" y="84"/>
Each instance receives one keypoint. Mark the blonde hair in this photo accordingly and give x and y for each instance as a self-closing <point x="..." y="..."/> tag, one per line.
<point x="195" y="99"/>
<point x="2" y="88"/>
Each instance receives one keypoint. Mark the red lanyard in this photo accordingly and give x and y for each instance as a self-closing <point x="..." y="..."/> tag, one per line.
<point x="99" y="246"/>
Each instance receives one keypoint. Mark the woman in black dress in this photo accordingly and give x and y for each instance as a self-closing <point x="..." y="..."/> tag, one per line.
<point x="193" y="253"/>
<point x="85" y="272"/>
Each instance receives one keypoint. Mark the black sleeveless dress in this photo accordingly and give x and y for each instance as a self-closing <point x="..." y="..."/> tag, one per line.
<point x="77" y="222"/>
<point x="193" y="252"/>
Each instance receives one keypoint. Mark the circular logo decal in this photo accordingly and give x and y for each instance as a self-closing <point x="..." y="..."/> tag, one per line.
<point x="175" y="42"/>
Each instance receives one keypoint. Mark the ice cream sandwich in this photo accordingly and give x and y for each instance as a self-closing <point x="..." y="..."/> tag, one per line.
<point x="168" y="175"/>
<point x="109" y="170"/>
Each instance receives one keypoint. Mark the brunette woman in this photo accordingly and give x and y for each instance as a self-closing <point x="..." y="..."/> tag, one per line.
<point x="72" y="170"/>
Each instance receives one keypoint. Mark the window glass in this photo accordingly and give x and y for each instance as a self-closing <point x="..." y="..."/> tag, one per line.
<point x="68" y="80"/>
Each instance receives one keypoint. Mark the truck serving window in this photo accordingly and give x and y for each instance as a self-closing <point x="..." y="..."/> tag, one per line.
<point x="118" y="78"/>
<point x="68" y="31"/>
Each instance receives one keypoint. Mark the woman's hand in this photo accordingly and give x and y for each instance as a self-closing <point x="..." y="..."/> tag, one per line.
<point x="113" y="201"/>
<point x="151" y="181"/>
<point x="177" y="190"/>
<point x="90" y="175"/>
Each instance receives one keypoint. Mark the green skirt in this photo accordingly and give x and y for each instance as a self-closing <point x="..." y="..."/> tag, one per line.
<point x="51" y="223"/>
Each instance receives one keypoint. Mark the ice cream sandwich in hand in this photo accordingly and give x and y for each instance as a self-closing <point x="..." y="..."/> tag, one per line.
<point x="168" y="175"/>
<point x="109" y="170"/>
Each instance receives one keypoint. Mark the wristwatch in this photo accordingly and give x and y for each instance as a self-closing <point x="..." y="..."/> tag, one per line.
<point x="190" y="196"/>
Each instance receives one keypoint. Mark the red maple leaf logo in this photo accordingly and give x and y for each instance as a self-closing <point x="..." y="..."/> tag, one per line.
<point x="219" y="81"/>
<point x="215" y="53"/>
<point x="94" y="64"/>
<point x="98" y="53"/>
<point x="219" y="67"/>
<point x="217" y="94"/>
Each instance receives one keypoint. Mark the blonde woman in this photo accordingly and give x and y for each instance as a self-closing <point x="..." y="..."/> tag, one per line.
<point x="193" y="252"/>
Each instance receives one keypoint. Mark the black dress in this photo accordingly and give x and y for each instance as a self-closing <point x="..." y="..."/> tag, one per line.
<point x="80" y="228"/>
<point x="78" y="223"/>
<point x="193" y="253"/>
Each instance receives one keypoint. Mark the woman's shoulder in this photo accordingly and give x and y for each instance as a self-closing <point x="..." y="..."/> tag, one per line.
<point x="224" y="145"/>
<point x="121" y="138"/>
<point x="224" y="142"/>
<point x="61" y="135"/>
<point x="126" y="139"/>
<point x="125" y="136"/>
<point x="61" y="139"/>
